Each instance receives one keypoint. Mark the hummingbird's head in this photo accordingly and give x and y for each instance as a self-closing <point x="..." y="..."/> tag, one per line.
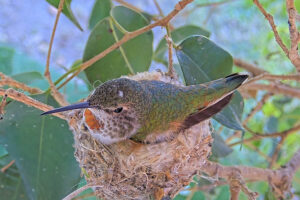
<point x="114" y="94"/>
<point x="112" y="111"/>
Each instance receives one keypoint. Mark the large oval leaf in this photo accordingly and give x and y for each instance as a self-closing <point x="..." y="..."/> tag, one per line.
<point x="133" y="56"/>
<point x="66" y="10"/>
<point x="42" y="149"/>
<point x="178" y="35"/>
<point x="100" y="10"/>
<point x="231" y="115"/>
<point x="201" y="61"/>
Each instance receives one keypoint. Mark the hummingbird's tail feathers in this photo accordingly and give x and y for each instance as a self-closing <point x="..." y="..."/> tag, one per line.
<point x="211" y="92"/>
<point x="238" y="78"/>
<point x="205" y="113"/>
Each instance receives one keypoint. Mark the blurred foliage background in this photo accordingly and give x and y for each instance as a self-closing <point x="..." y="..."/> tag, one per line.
<point x="234" y="25"/>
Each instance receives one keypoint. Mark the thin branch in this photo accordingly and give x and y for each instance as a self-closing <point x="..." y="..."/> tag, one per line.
<point x="257" y="108"/>
<point x="255" y="70"/>
<point x="292" y="77"/>
<point x="258" y="136"/>
<point x="171" y="71"/>
<point x="237" y="184"/>
<point x="281" y="178"/>
<point x="276" y="152"/>
<point x="3" y="169"/>
<point x="132" y="7"/>
<point x="128" y="36"/>
<point x="5" y="80"/>
<point x="274" y="88"/>
<point x="18" y="96"/>
<point x="270" y="19"/>
<point x="257" y="150"/>
<point x="236" y="134"/>
<point x="161" y="13"/>
<point x="210" y="4"/>
<point x="56" y="94"/>
<point x="2" y="106"/>
<point x="235" y="188"/>
<point x="78" y="191"/>
<point x="294" y="34"/>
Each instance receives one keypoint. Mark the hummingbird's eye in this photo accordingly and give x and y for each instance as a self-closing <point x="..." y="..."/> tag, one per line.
<point x="118" y="110"/>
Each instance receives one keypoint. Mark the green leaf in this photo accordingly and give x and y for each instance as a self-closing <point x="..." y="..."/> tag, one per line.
<point x="66" y="10"/>
<point x="201" y="61"/>
<point x="178" y="35"/>
<point x="297" y="5"/>
<point x="198" y="196"/>
<point x="11" y="184"/>
<point x="231" y="115"/>
<point x="100" y="10"/>
<point x="28" y="77"/>
<point x="3" y="151"/>
<point x="133" y="56"/>
<point x="42" y="149"/>
<point x="271" y="125"/>
<point x="219" y="147"/>
<point x="269" y="195"/>
<point x="6" y="60"/>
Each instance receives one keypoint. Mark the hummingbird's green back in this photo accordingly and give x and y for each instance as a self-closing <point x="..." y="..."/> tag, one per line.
<point x="171" y="105"/>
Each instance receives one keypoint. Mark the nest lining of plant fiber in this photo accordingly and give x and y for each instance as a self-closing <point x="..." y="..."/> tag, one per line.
<point x="131" y="170"/>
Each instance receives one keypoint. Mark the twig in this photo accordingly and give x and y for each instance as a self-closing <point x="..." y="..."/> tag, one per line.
<point x="280" y="178"/>
<point x="294" y="34"/>
<point x="128" y="36"/>
<point x="236" y="184"/>
<point x="276" y="152"/>
<point x="78" y="191"/>
<point x="56" y="94"/>
<point x="256" y="149"/>
<point x="210" y="4"/>
<point x="5" y="80"/>
<point x="270" y="19"/>
<point x="85" y="196"/>
<point x="234" y="135"/>
<point x="291" y="53"/>
<point x="18" y="96"/>
<point x="257" y="107"/>
<point x="275" y="89"/>
<point x="132" y="7"/>
<point x="171" y="71"/>
<point x="2" y="106"/>
<point x="258" y="136"/>
<point x="235" y="187"/>
<point x="272" y="77"/>
<point x="158" y="8"/>
<point x="255" y="70"/>
<point x="3" y="169"/>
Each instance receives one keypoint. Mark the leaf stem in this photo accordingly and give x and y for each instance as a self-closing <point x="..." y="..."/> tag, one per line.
<point x="111" y="24"/>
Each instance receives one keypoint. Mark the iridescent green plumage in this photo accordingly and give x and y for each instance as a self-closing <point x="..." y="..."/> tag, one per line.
<point x="152" y="107"/>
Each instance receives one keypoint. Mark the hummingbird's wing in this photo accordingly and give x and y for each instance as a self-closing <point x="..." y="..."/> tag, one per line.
<point x="205" y="113"/>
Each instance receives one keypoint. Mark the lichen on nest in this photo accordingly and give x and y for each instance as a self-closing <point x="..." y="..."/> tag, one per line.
<point x="131" y="170"/>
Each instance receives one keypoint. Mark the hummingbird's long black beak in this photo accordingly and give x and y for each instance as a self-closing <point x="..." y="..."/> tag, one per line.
<point x="70" y="107"/>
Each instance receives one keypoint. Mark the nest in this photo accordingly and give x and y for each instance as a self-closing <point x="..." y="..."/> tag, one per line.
<point x="131" y="170"/>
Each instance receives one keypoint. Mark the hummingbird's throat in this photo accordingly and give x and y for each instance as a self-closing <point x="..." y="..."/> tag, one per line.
<point x="110" y="127"/>
<point x="91" y="120"/>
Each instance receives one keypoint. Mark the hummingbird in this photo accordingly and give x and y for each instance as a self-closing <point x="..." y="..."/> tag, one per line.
<point x="151" y="111"/>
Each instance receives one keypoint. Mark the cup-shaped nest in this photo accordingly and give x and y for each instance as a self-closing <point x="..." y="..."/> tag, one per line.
<point x="131" y="170"/>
